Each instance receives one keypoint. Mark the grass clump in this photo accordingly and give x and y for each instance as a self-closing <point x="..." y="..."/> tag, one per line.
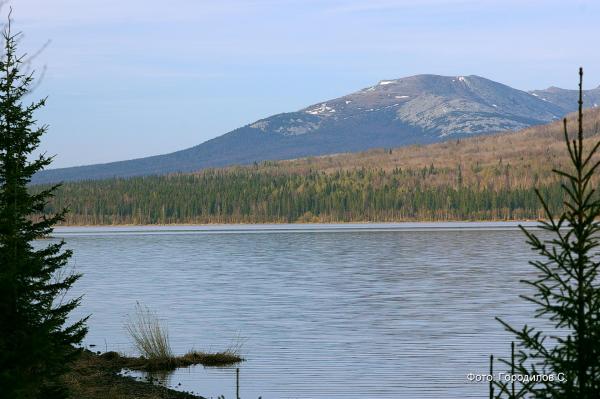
<point x="150" y="336"/>
<point x="216" y="359"/>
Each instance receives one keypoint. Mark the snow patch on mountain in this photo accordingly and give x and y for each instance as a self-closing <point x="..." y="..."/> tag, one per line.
<point x="320" y="110"/>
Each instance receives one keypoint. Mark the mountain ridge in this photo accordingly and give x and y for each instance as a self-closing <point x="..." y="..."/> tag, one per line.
<point x="418" y="109"/>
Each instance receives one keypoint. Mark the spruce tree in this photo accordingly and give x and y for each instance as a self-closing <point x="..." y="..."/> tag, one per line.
<point x="36" y="344"/>
<point x="566" y="290"/>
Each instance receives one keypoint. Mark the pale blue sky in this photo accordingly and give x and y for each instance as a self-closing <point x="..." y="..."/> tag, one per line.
<point x="130" y="78"/>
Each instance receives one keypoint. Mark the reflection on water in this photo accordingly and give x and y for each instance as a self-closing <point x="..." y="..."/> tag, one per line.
<point x="164" y="378"/>
<point x="325" y="312"/>
<point x="173" y="378"/>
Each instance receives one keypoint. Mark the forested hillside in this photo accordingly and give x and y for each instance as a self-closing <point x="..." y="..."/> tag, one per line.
<point x="482" y="178"/>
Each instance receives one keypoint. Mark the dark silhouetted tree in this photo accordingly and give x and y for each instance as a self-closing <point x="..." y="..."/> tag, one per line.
<point x="36" y="344"/>
<point x="566" y="290"/>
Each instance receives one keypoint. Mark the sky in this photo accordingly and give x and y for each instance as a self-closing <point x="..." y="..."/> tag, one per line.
<point x="132" y="78"/>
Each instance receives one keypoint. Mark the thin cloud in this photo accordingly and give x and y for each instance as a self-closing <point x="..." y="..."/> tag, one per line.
<point x="383" y="5"/>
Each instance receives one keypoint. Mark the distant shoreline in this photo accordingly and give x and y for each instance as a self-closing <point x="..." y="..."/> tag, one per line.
<point x="266" y="227"/>
<point x="307" y="223"/>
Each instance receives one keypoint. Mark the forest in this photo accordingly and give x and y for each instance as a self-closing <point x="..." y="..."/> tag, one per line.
<point x="246" y="196"/>
<point x="480" y="178"/>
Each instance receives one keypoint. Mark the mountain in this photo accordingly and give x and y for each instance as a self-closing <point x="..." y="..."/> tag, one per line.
<point x="414" y="110"/>
<point x="567" y="99"/>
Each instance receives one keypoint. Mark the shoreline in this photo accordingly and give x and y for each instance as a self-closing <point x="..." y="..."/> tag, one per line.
<point x="291" y="228"/>
<point x="97" y="376"/>
<point x="300" y="224"/>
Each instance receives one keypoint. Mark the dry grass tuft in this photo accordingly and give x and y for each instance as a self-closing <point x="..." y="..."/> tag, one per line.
<point x="150" y="335"/>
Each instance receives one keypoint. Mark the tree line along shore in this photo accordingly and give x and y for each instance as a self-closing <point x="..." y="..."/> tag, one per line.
<point x="479" y="178"/>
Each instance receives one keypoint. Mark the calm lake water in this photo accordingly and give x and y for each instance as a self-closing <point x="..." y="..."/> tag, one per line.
<point x="324" y="311"/>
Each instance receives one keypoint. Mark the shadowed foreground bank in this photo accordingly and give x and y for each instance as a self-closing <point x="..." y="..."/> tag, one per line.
<point x="96" y="376"/>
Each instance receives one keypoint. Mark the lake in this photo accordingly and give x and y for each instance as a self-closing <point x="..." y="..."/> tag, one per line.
<point x="322" y="311"/>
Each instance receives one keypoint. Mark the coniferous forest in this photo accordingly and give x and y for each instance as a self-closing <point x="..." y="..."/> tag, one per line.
<point x="246" y="196"/>
<point x="480" y="178"/>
